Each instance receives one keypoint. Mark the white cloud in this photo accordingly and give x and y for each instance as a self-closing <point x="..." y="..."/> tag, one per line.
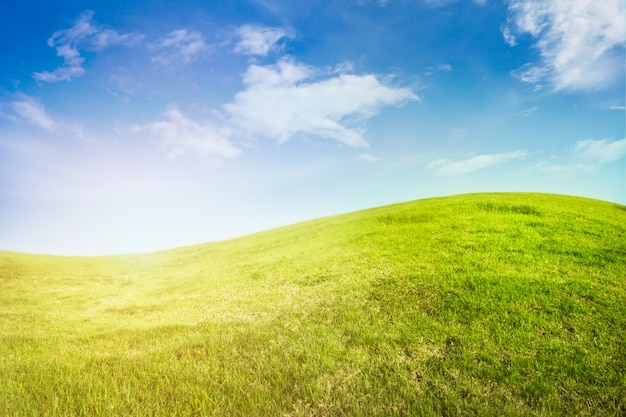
<point x="441" y="67"/>
<point x="600" y="151"/>
<point x="581" y="42"/>
<point x="34" y="113"/>
<point x="554" y="167"/>
<point x="585" y="156"/>
<point x="104" y="38"/>
<point x="509" y="38"/>
<point x="279" y="103"/>
<point x="342" y="68"/>
<point x="531" y="74"/>
<point x="448" y="167"/>
<point x="180" y="134"/>
<point x="72" y="66"/>
<point x="282" y="101"/>
<point x="441" y="3"/>
<point x="83" y="35"/>
<point x="25" y="108"/>
<point x="369" y="158"/>
<point x="527" y="112"/>
<point x="180" y="46"/>
<point x="380" y="3"/>
<point x="285" y="73"/>
<point x="438" y="3"/>
<point x="259" y="40"/>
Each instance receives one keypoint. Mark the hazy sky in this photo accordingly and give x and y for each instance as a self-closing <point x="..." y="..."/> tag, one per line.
<point x="138" y="125"/>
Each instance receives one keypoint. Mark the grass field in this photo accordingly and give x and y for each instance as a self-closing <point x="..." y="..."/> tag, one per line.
<point x="480" y="304"/>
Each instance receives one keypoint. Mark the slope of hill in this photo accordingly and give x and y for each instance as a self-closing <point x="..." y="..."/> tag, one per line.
<point x="480" y="304"/>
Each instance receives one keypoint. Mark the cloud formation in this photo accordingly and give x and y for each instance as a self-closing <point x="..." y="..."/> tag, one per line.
<point x="451" y="168"/>
<point x="368" y="157"/>
<point x="259" y="40"/>
<point x="83" y="35"/>
<point x="585" y="156"/>
<point x="509" y="37"/>
<point x="439" y="68"/>
<point x="279" y="102"/>
<point x="28" y="109"/>
<point x="180" y="46"/>
<point x="33" y="112"/>
<point x="442" y="3"/>
<point x="600" y="151"/>
<point x="581" y="42"/>
<point x="284" y="100"/>
<point x="527" y="112"/>
<point x="179" y="134"/>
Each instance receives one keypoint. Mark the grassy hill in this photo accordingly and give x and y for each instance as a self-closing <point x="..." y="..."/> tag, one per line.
<point x="481" y="304"/>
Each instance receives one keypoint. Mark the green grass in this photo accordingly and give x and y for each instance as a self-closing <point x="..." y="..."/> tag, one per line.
<point x="481" y="304"/>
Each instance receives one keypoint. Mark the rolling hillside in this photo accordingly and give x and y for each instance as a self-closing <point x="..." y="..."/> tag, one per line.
<point x="479" y="304"/>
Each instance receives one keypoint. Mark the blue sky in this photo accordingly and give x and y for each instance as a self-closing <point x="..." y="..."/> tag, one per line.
<point x="141" y="125"/>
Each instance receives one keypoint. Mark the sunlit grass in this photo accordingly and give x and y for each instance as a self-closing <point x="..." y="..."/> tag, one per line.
<point x="484" y="304"/>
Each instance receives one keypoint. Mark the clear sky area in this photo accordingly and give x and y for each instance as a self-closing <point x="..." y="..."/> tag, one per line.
<point x="130" y="126"/>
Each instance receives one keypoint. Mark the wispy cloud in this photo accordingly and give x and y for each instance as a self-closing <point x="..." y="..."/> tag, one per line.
<point x="259" y="40"/>
<point x="581" y="42"/>
<point x="179" y="46"/>
<point x="83" y="35"/>
<point x="509" y="37"/>
<point x="381" y="3"/>
<point x="585" y="156"/>
<point x="285" y="73"/>
<point x="33" y="112"/>
<point x="441" y="3"/>
<point x="527" y="112"/>
<point x="556" y="167"/>
<point x="180" y="134"/>
<point x="600" y="151"/>
<point x="368" y="157"/>
<point x="438" y="3"/>
<point x="28" y="109"/>
<point x="72" y="66"/>
<point x="448" y="167"/>
<point x="281" y="101"/>
<point x="532" y="74"/>
<point x="439" y="68"/>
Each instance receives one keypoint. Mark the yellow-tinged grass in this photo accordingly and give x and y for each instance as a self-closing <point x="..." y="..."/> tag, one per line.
<point x="480" y="304"/>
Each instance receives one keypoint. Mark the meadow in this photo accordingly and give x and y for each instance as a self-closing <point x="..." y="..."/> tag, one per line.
<point x="500" y="304"/>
